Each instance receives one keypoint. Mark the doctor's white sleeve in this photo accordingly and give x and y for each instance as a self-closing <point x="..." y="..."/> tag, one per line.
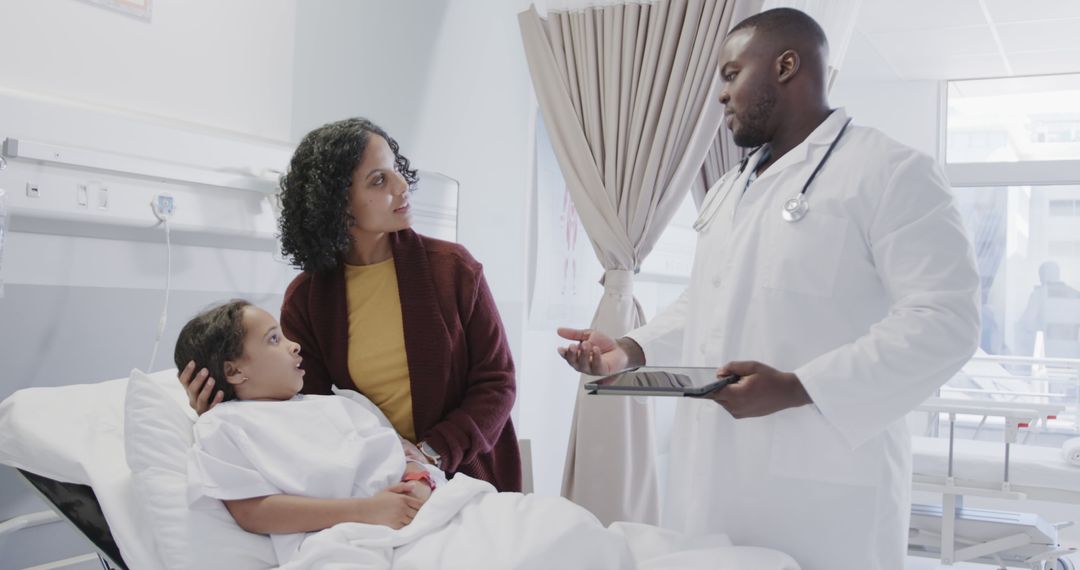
<point x="661" y="339"/>
<point x="925" y="262"/>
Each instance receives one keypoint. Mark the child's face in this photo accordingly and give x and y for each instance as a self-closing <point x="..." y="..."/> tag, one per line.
<point x="270" y="367"/>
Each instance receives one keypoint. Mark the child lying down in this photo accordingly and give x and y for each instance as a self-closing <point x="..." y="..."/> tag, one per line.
<point x="335" y="486"/>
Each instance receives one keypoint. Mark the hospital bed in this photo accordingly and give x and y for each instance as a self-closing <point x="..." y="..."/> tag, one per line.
<point x="1011" y="402"/>
<point x="69" y="443"/>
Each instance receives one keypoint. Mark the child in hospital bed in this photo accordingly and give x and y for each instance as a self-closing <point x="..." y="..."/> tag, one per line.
<point x="283" y="463"/>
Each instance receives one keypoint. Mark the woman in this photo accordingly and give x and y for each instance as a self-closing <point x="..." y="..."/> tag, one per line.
<point x="405" y="319"/>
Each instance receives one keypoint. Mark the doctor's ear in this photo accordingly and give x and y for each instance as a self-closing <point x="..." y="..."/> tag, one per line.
<point x="787" y="65"/>
<point x="233" y="375"/>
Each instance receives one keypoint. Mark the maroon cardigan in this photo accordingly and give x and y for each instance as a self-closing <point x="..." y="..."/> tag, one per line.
<point x="460" y="369"/>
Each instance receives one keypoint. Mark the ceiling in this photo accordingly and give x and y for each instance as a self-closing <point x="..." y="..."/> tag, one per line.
<point x="963" y="39"/>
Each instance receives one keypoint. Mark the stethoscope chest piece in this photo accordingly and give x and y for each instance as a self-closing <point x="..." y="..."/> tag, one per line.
<point x="795" y="208"/>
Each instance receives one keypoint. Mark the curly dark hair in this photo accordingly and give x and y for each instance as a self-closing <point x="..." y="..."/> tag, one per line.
<point x="314" y="195"/>
<point x="211" y="338"/>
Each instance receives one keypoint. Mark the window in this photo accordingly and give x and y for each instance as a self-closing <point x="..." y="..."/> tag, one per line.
<point x="1015" y="119"/>
<point x="1013" y="155"/>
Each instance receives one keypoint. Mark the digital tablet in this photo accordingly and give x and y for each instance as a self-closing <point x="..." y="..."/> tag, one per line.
<point x="660" y="381"/>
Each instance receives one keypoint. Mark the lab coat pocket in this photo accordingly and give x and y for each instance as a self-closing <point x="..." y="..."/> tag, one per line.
<point x="805" y="255"/>
<point x="805" y="446"/>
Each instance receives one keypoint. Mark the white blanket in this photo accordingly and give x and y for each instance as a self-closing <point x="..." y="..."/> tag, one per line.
<point x="466" y="524"/>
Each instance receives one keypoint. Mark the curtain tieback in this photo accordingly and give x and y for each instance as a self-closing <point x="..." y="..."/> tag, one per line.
<point x="618" y="281"/>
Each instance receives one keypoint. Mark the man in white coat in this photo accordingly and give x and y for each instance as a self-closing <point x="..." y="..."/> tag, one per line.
<point x="834" y="276"/>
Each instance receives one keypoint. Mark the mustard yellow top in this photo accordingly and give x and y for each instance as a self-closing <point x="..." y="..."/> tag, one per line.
<point x="377" y="362"/>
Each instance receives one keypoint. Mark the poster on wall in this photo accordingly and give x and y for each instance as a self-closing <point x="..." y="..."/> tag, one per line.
<point x="565" y="286"/>
<point x="136" y="8"/>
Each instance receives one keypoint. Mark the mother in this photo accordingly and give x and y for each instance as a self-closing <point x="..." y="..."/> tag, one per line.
<point x="405" y="319"/>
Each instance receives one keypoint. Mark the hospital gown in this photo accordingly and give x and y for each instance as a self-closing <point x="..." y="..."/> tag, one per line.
<point x="314" y="446"/>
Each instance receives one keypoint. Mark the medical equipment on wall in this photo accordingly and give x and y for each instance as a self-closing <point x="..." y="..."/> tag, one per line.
<point x="794" y="209"/>
<point x="991" y="387"/>
<point x="162" y="206"/>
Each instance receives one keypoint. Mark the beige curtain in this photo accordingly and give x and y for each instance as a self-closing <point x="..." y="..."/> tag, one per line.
<point x="629" y="96"/>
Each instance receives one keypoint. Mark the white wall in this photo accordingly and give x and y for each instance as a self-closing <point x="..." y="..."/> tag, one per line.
<point x="223" y="64"/>
<point x="209" y="81"/>
<point x="905" y="110"/>
<point x="875" y="96"/>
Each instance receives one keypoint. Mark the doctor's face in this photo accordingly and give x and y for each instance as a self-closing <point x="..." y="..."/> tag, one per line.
<point x="379" y="194"/>
<point x="748" y="95"/>
<point x="270" y="366"/>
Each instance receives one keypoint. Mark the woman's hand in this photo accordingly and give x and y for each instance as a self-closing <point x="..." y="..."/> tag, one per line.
<point x="413" y="453"/>
<point x="198" y="388"/>
<point x="394" y="507"/>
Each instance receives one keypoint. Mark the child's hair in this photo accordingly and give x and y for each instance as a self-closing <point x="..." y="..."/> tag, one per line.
<point x="211" y="338"/>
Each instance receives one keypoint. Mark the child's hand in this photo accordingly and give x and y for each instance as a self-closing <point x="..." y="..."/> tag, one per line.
<point x="393" y="507"/>
<point x="419" y="489"/>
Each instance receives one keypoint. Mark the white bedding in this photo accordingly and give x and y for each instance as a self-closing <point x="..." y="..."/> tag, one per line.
<point x="76" y="434"/>
<point x="1030" y="465"/>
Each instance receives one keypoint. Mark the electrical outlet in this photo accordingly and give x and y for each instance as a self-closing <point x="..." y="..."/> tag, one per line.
<point x="163" y="205"/>
<point x="82" y="196"/>
<point x="32" y="190"/>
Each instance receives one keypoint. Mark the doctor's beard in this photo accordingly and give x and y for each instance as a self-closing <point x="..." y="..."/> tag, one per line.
<point x="752" y="125"/>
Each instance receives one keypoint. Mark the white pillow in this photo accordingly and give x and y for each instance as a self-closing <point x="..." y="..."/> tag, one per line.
<point x="157" y="437"/>
<point x="59" y="432"/>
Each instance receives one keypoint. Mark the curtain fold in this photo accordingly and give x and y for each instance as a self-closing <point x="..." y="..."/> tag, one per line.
<point x="629" y="94"/>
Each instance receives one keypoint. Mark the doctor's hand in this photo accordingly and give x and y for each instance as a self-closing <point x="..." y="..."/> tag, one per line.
<point x="760" y="391"/>
<point x="198" y="388"/>
<point x="596" y="353"/>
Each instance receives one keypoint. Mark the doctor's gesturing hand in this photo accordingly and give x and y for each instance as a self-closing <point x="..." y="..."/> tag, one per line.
<point x="598" y="354"/>
<point x="760" y="391"/>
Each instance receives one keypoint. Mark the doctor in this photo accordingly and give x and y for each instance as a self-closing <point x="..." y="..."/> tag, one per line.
<point x="834" y="276"/>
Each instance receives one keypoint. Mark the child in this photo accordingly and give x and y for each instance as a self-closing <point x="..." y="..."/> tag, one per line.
<point x="283" y="463"/>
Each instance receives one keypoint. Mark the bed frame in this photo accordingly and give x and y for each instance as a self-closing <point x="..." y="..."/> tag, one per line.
<point x="79" y="506"/>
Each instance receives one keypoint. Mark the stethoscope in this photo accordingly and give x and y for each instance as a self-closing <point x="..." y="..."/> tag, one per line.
<point x="795" y="208"/>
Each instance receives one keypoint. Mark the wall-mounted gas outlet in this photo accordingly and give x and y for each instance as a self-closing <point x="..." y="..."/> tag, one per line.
<point x="163" y="205"/>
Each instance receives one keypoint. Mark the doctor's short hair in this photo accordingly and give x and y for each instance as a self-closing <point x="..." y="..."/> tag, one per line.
<point x="787" y="23"/>
<point x="212" y="338"/>
<point x="314" y="193"/>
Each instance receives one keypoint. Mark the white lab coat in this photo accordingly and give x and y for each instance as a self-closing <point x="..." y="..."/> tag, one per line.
<point x="871" y="300"/>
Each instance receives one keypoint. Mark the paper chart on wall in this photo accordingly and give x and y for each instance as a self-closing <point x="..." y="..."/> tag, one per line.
<point x="566" y="289"/>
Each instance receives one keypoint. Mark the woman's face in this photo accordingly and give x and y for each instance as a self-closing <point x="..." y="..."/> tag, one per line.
<point x="379" y="195"/>
<point x="270" y="367"/>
